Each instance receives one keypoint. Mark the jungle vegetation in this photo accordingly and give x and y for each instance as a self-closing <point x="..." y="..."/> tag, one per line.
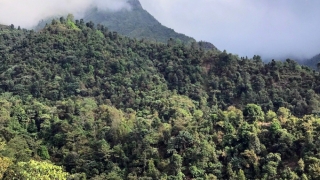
<point x="78" y="101"/>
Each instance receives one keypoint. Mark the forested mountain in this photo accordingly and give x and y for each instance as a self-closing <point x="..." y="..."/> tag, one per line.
<point x="135" y="23"/>
<point x="79" y="101"/>
<point x="3" y="26"/>
<point x="313" y="62"/>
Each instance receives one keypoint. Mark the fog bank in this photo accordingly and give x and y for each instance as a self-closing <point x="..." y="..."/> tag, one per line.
<point x="27" y="13"/>
<point x="270" y="28"/>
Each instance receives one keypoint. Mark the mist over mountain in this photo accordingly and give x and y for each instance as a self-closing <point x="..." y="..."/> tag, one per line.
<point x="272" y="29"/>
<point x="312" y="62"/>
<point x="135" y="23"/>
<point x="28" y="13"/>
<point x="132" y="21"/>
<point x="277" y="29"/>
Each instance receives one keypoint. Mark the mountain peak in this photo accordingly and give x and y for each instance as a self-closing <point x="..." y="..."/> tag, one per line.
<point x="135" y="4"/>
<point x="137" y="23"/>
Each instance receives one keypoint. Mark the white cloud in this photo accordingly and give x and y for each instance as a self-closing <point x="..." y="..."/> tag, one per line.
<point x="271" y="28"/>
<point x="113" y="5"/>
<point x="27" y="13"/>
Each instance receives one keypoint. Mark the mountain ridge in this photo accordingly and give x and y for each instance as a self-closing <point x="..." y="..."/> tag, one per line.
<point x="135" y="23"/>
<point x="312" y="62"/>
<point x="135" y="4"/>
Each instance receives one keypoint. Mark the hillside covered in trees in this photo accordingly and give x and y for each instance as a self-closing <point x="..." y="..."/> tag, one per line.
<point x="314" y="62"/>
<point x="79" y="101"/>
<point x="135" y="22"/>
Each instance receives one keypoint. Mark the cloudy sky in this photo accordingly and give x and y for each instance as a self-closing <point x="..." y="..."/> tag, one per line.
<point x="271" y="28"/>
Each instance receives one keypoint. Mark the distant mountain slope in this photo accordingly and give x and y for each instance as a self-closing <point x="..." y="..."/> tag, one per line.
<point x="3" y="26"/>
<point x="135" y="23"/>
<point x="312" y="62"/>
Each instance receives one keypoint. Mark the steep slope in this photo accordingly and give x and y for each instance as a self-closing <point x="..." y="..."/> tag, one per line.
<point x="135" y="23"/>
<point x="313" y="62"/>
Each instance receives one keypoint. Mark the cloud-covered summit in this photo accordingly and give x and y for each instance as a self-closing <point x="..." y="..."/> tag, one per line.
<point x="27" y="13"/>
<point x="271" y="28"/>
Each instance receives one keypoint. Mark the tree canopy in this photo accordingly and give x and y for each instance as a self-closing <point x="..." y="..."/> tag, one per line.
<point x="78" y="101"/>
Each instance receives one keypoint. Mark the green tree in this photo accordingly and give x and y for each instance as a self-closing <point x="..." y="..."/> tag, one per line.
<point x="4" y="161"/>
<point x="241" y="175"/>
<point x="36" y="170"/>
<point x="253" y="112"/>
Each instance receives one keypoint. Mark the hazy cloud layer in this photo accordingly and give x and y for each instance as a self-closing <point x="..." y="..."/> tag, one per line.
<point x="28" y="13"/>
<point x="271" y="28"/>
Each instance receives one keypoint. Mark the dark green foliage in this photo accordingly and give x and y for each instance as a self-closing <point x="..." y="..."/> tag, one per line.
<point x="104" y="106"/>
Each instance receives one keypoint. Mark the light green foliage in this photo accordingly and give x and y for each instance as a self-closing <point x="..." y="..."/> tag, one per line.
<point x="253" y="113"/>
<point x="283" y="114"/>
<point x="152" y="170"/>
<point x="289" y="174"/>
<point x="71" y="25"/>
<point x="270" y="116"/>
<point x="4" y="161"/>
<point x="301" y="165"/>
<point x="105" y="106"/>
<point x="314" y="170"/>
<point x="241" y="175"/>
<point x="99" y="33"/>
<point x="36" y="170"/>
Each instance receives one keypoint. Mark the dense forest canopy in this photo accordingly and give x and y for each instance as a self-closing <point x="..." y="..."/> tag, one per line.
<point x="79" y="101"/>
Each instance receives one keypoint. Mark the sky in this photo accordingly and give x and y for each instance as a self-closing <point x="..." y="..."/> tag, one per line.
<point x="274" y="29"/>
<point x="271" y="28"/>
<point x="27" y="13"/>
